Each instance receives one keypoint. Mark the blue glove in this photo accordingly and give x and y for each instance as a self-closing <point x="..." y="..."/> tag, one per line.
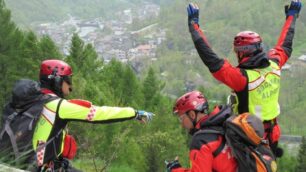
<point x="144" y="116"/>
<point x="294" y="8"/>
<point x="193" y="14"/>
<point x="172" y="165"/>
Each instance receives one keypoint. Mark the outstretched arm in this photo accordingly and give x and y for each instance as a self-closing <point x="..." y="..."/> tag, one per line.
<point x="282" y="51"/>
<point x="81" y="110"/>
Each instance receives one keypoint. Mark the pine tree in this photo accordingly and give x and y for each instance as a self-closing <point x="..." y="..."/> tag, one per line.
<point x="76" y="58"/>
<point x="301" y="166"/>
<point x="90" y="63"/>
<point x="48" y="48"/>
<point x="113" y="74"/>
<point x="150" y="88"/>
<point x="7" y="30"/>
<point x="10" y="39"/>
<point x="31" y="56"/>
<point x="131" y="93"/>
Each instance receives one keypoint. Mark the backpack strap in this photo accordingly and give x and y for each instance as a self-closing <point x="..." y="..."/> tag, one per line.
<point x="61" y="130"/>
<point x="8" y="121"/>
<point x="213" y="131"/>
<point x="9" y="131"/>
<point x="7" y="128"/>
<point x="219" y="149"/>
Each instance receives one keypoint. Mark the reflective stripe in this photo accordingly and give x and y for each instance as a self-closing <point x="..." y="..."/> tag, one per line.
<point x="258" y="111"/>
<point x="256" y="83"/>
<point x="49" y="115"/>
<point x="277" y="72"/>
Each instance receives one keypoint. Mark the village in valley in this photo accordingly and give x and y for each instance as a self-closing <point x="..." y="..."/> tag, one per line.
<point x="117" y="37"/>
<point x="112" y="38"/>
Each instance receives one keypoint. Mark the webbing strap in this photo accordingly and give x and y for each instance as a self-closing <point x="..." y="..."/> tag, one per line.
<point x="7" y="128"/>
<point x="60" y="131"/>
<point x="12" y="138"/>
<point x="2" y="133"/>
<point x="219" y="149"/>
<point x="212" y="131"/>
<point x="32" y="121"/>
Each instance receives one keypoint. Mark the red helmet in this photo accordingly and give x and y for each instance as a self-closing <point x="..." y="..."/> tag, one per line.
<point x="193" y="100"/>
<point x="57" y="67"/>
<point x="53" y="73"/>
<point x="246" y="43"/>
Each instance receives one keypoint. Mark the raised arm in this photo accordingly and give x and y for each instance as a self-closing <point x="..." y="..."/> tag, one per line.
<point x="282" y="51"/>
<point x="221" y="69"/>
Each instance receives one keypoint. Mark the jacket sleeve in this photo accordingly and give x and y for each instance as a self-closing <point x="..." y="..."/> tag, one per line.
<point x="282" y="51"/>
<point x="83" y="110"/>
<point x="201" y="154"/>
<point x="201" y="160"/>
<point x="221" y="69"/>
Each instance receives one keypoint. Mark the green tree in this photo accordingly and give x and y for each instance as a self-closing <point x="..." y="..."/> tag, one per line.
<point x="49" y="49"/>
<point x="31" y="56"/>
<point x="10" y="39"/>
<point x="150" y="88"/>
<point x="301" y="166"/>
<point x="76" y="57"/>
<point x="131" y="93"/>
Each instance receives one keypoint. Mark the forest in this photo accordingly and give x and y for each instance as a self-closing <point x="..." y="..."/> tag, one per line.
<point x="130" y="146"/>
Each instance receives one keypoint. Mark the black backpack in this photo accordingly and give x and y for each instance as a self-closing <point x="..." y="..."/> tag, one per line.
<point x="244" y="135"/>
<point x="19" y="119"/>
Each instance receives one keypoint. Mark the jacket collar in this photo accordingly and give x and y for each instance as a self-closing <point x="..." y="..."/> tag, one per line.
<point x="47" y="91"/>
<point x="259" y="60"/>
<point x="215" y="118"/>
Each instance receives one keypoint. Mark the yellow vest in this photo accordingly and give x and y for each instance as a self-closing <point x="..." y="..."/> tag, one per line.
<point x="263" y="90"/>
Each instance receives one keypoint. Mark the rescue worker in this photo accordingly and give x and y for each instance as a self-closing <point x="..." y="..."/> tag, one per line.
<point x="208" y="151"/>
<point x="256" y="79"/>
<point x="50" y="140"/>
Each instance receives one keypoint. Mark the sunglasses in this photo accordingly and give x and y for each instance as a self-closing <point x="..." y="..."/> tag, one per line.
<point x="68" y="79"/>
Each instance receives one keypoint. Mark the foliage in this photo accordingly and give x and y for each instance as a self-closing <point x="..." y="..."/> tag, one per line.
<point x="301" y="166"/>
<point x="287" y="163"/>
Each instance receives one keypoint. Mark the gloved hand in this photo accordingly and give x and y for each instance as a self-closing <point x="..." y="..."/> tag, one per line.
<point x="172" y="165"/>
<point x="144" y="116"/>
<point x="294" y="8"/>
<point x="193" y="14"/>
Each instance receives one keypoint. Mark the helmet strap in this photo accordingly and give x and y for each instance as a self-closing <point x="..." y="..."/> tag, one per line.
<point x="56" y="83"/>
<point x="194" y="121"/>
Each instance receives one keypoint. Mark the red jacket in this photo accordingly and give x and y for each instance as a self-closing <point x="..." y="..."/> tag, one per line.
<point x="204" y="145"/>
<point x="236" y="77"/>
